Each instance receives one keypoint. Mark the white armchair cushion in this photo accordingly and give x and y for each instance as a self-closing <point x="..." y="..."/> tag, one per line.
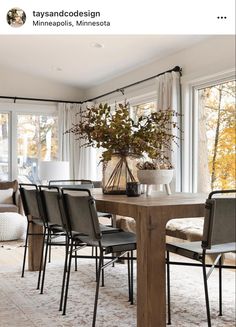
<point x="6" y="196"/>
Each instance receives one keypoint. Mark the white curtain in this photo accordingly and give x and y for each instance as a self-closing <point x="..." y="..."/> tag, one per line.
<point x="82" y="159"/>
<point x="168" y="97"/>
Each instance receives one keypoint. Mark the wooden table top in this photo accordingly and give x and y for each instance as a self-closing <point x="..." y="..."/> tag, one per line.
<point x="156" y="199"/>
<point x="128" y="206"/>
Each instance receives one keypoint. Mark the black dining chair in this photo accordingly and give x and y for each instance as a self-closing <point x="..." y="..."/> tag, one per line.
<point x="31" y="206"/>
<point x="35" y="213"/>
<point x="77" y="184"/>
<point x="50" y="198"/>
<point x="86" y="184"/>
<point x="83" y="227"/>
<point x="54" y="220"/>
<point x="219" y="237"/>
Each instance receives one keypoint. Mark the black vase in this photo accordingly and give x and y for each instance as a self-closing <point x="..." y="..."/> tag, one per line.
<point x="133" y="189"/>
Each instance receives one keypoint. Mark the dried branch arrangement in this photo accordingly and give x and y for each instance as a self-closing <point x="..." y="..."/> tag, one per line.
<point x="117" y="133"/>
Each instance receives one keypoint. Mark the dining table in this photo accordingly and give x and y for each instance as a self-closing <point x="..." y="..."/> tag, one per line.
<point x="151" y="212"/>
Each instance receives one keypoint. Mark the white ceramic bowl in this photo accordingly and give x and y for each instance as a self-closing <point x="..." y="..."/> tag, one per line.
<point x="153" y="177"/>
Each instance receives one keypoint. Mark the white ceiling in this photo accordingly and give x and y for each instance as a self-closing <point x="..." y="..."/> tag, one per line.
<point x="73" y="61"/>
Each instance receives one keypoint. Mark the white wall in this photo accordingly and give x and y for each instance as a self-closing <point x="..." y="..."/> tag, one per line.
<point x="15" y="83"/>
<point x="213" y="55"/>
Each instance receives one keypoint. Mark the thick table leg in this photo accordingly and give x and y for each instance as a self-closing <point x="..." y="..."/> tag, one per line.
<point x="35" y="247"/>
<point x="151" y="297"/>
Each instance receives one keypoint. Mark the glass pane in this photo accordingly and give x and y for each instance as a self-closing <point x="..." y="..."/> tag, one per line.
<point x="143" y="109"/>
<point x="37" y="140"/>
<point x="4" y="147"/>
<point x="218" y="115"/>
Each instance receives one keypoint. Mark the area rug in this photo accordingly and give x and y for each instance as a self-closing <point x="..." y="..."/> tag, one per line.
<point x="22" y="305"/>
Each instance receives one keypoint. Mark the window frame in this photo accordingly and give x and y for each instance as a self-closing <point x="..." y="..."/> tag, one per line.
<point x="190" y="153"/>
<point x="15" y="109"/>
<point x="5" y="112"/>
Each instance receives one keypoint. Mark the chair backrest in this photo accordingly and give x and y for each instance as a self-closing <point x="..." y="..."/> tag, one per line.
<point x="81" y="213"/>
<point x="219" y="222"/>
<point x="51" y="203"/>
<point x="72" y="183"/>
<point x="97" y="184"/>
<point x="31" y="201"/>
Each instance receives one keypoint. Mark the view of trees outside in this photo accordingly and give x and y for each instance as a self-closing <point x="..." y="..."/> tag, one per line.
<point x="143" y="109"/>
<point x="220" y="119"/>
<point x="4" y="146"/>
<point x="37" y="140"/>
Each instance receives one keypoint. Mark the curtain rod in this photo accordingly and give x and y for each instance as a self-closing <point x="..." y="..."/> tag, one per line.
<point x="36" y="99"/>
<point x="121" y="89"/>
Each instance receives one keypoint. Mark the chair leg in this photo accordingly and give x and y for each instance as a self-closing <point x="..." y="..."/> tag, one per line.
<point x="96" y="262"/>
<point x="96" y="267"/>
<point x="41" y="260"/>
<point x="50" y="254"/>
<point x="220" y="286"/>
<point x="68" y="278"/>
<point x="206" y="291"/>
<point x="103" y="273"/>
<point x="25" y="250"/>
<point x="131" y="278"/>
<point x="64" y="273"/>
<point x="168" y="287"/>
<point x="45" y="262"/>
<point x="97" y="288"/>
<point x="76" y="263"/>
<point x="50" y="247"/>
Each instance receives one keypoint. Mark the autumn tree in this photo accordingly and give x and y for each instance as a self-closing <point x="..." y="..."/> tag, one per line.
<point x="221" y="127"/>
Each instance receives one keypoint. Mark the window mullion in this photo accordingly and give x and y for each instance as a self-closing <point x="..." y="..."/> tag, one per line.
<point x="13" y="145"/>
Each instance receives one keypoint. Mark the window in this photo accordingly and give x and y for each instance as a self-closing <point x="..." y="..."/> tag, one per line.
<point x="28" y="134"/>
<point x="37" y="140"/>
<point x="216" y="136"/>
<point x="143" y="109"/>
<point x="4" y="146"/>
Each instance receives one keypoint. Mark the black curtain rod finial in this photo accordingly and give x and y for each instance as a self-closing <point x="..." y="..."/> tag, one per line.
<point x="177" y="69"/>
